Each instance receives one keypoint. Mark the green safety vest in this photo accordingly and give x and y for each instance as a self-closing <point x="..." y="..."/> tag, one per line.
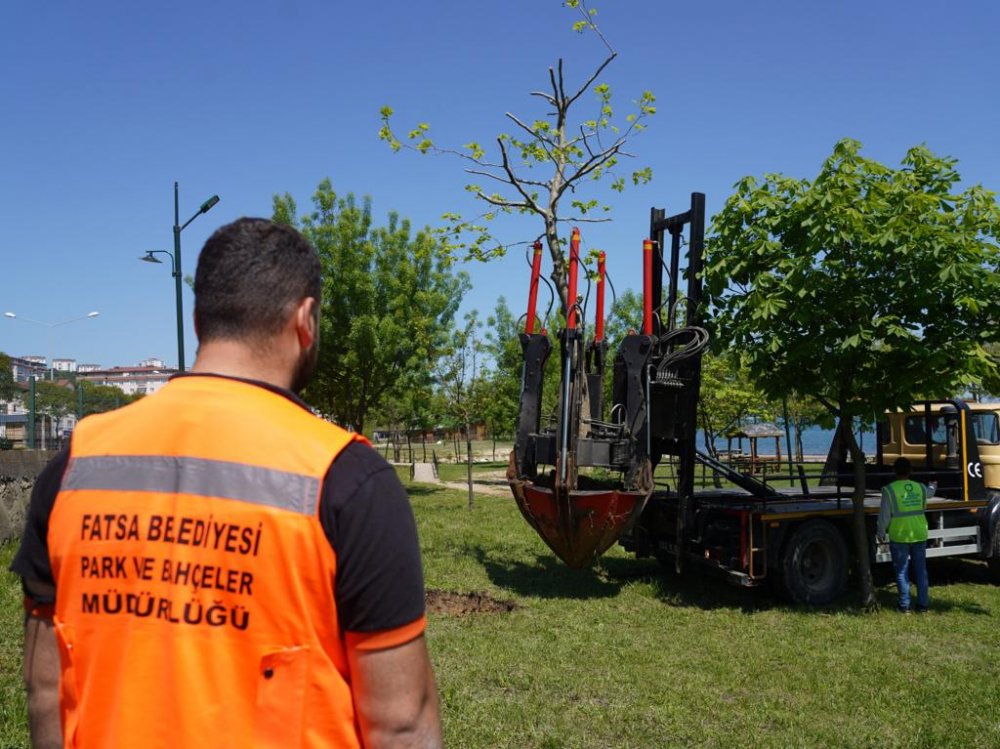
<point x="907" y="506"/>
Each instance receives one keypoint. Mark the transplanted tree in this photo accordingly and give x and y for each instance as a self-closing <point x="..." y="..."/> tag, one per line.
<point x="389" y="299"/>
<point x="547" y="161"/>
<point x="865" y="288"/>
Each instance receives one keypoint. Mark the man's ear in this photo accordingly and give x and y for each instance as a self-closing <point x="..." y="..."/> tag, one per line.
<point x="307" y="322"/>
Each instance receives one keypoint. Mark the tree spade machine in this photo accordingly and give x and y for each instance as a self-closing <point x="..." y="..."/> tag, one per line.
<point x="584" y="479"/>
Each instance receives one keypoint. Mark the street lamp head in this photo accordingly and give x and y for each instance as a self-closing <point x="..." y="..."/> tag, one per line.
<point x="149" y="257"/>
<point x="207" y="205"/>
<point x="11" y="315"/>
<point x="95" y="313"/>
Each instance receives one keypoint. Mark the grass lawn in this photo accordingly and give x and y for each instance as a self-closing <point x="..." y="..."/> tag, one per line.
<point x="13" y="707"/>
<point x="457" y="471"/>
<point x="626" y="656"/>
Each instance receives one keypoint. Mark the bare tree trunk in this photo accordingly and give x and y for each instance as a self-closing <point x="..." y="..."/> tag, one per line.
<point x="861" y="557"/>
<point x="710" y="449"/>
<point x="468" y="460"/>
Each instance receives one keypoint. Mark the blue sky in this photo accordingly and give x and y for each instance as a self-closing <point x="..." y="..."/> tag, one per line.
<point x="106" y="104"/>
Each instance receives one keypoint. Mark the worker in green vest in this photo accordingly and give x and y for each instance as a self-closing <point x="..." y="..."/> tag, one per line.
<point x="902" y="518"/>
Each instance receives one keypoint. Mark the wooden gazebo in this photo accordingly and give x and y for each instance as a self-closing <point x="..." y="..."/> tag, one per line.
<point x="754" y="462"/>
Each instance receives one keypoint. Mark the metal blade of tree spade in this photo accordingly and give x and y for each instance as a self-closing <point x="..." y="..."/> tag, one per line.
<point x="577" y="524"/>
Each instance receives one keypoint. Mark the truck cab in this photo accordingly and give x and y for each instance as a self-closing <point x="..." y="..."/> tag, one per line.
<point x="952" y="442"/>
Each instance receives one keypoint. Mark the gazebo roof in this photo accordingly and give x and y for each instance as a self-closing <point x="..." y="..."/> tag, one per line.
<point x="753" y="431"/>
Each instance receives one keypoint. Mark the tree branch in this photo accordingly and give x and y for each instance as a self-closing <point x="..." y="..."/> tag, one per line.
<point x="515" y="181"/>
<point x="585" y="86"/>
<point x="582" y="7"/>
<point x="583" y="220"/>
<point x="547" y="97"/>
<point x="503" y="203"/>
<point x="562" y="88"/>
<point x="590" y="165"/>
<point x="538" y="136"/>
<point x="498" y="178"/>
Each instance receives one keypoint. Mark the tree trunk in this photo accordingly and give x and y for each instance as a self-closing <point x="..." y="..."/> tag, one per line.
<point x="468" y="460"/>
<point x="559" y="258"/>
<point x="862" y="560"/>
<point x="710" y="449"/>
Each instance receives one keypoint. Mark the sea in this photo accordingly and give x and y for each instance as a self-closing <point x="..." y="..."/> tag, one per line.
<point x="815" y="443"/>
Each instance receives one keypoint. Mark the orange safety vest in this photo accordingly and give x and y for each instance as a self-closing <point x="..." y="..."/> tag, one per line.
<point x="194" y="582"/>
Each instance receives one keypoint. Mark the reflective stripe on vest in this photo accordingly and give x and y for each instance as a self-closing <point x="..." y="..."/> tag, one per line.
<point x="907" y="506"/>
<point x="194" y="580"/>
<point x="197" y="476"/>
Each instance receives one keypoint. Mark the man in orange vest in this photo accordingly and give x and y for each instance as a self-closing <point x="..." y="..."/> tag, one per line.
<point x="214" y="565"/>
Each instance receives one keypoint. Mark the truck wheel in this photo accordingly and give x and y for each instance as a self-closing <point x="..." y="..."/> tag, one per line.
<point x="814" y="564"/>
<point x="993" y="562"/>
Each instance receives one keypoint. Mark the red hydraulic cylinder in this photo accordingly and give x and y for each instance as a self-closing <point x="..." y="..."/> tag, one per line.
<point x="599" y="325"/>
<point x="574" y="266"/>
<point x="647" y="287"/>
<point x="536" y="272"/>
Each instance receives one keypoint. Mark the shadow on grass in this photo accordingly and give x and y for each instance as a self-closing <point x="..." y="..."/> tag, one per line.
<point x="547" y="577"/>
<point x="422" y="490"/>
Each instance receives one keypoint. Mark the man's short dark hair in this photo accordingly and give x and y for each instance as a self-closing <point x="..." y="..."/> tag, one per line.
<point x="902" y="467"/>
<point x="251" y="275"/>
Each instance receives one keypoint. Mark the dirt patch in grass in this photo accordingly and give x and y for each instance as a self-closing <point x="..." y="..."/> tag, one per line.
<point x="464" y="604"/>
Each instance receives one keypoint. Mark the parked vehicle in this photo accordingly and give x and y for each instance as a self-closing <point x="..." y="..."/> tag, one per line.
<point x="755" y="532"/>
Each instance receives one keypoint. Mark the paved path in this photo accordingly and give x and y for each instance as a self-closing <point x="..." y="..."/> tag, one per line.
<point x="493" y="483"/>
<point x="425" y="473"/>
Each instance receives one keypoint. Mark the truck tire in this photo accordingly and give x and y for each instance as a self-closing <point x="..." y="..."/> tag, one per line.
<point x="993" y="562"/>
<point x="814" y="564"/>
<point x="993" y="558"/>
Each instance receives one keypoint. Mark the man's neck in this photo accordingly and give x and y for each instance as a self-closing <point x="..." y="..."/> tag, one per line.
<point x="237" y="359"/>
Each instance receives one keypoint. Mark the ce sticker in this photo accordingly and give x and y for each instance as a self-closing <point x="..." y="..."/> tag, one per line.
<point x="975" y="470"/>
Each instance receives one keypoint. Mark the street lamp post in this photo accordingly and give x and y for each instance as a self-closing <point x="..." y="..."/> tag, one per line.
<point x="52" y="374"/>
<point x="175" y="265"/>
<point x="50" y="325"/>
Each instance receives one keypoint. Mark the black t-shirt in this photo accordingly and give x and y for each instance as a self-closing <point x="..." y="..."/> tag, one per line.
<point x="364" y="511"/>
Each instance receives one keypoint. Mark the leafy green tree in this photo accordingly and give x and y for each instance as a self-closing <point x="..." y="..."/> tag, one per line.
<point x="389" y="298"/>
<point x="865" y="288"/>
<point x="728" y="397"/>
<point x="803" y="412"/>
<point x="502" y="347"/>
<point x="459" y="380"/>
<point x="8" y="387"/>
<point x="422" y="411"/>
<point x="54" y="400"/>
<point x="547" y="160"/>
<point x="101" y="398"/>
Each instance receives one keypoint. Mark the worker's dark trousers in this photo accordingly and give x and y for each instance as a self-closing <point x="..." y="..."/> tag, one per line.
<point x="903" y="557"/>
